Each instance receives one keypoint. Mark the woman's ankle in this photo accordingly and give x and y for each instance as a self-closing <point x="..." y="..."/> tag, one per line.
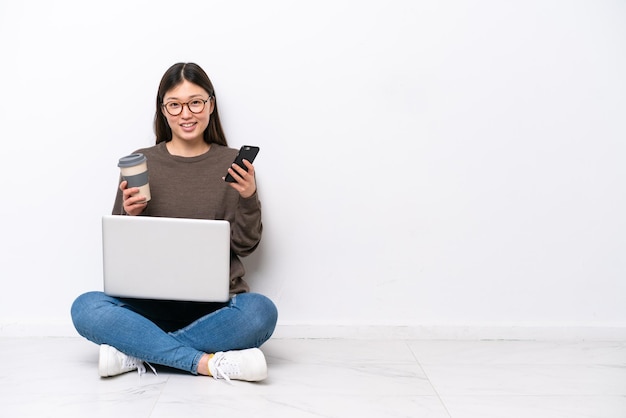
<point x="203" y="365"/>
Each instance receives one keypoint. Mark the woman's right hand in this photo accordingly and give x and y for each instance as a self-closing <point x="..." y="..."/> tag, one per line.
<point x="134" y="203"/>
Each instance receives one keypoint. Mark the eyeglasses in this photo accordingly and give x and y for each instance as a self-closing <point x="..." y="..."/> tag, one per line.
<point x="194" y="106"/>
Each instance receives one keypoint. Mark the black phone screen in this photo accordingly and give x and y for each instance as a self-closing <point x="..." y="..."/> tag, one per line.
<point x="246" y="152"/>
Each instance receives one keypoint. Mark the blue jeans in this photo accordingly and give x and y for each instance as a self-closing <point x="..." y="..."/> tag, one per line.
<point x="174" y="334"/>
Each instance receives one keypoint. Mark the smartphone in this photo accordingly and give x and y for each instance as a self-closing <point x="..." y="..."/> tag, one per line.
<point x="247" y="152"/>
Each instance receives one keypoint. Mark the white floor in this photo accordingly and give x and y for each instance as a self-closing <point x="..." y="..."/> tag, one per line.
<point x="57" y="377"/>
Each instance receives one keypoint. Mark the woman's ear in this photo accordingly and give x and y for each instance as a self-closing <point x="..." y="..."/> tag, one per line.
<point x="212" y="106"/>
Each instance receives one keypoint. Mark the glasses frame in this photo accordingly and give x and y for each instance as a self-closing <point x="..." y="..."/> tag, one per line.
<point x="182" y="106"/>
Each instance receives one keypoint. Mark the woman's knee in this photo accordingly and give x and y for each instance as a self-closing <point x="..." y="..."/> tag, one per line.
<point x="262" y="306"/>
<point x="85" y="307"/>
<point x="262" y="314"/>
<point x="84" y="302"/>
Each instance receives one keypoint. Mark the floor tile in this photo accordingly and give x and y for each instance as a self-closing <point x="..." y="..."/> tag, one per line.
<point x="336" y="351"/>
<point x="536" y="406"/>
<point x="520" y="352"/>
<point x="303" y="406"/>
<point x="541" y="380"/>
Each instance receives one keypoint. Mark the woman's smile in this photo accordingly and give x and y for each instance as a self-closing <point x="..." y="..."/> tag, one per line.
<point x="188" y="126"/>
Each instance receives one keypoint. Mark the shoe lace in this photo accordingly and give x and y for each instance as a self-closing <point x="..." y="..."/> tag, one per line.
<point x="224" y="368"/>
<point x="131" y="363"/>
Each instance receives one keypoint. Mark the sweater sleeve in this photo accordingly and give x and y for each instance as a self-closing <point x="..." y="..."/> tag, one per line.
<point x="247" y="228"/>
<point x="118" y="206"/>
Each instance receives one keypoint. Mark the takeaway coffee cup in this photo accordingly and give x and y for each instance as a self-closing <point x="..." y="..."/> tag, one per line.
<point x="134" y="169"/>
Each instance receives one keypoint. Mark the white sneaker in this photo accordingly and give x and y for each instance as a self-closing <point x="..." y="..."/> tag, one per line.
<point x="113" y="362"/>
<point x="247" y="365"/>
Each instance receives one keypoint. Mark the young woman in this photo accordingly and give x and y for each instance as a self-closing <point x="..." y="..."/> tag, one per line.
<point x="187" y="168"/>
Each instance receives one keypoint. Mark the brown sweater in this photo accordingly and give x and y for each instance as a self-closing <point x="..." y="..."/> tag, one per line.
<point x="192" y="187"/>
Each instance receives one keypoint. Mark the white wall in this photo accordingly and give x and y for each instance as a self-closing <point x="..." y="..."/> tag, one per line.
<point x="423" y="163"/>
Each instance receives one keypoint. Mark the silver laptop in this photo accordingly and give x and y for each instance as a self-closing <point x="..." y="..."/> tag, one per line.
<point x="166" y="258"/>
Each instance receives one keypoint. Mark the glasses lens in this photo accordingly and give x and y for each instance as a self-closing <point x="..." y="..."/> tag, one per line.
<point x="173" y="108"/>
<point x="196" y="106"/>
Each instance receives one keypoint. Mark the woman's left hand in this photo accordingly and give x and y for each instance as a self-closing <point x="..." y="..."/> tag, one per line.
<point x="245" y="181"/>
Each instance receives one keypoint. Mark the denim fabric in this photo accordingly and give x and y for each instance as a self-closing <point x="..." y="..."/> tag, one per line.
<point x="174" y="334"/>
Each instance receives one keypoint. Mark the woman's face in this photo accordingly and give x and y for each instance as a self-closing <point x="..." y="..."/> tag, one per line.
<point x="187" y="126"/>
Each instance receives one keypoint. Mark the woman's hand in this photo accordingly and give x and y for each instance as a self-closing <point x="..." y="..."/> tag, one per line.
<point x="134" y="203"/>
<point x="245" y="181"/>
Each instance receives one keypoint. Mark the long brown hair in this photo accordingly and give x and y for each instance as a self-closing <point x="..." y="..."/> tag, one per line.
<point x="175" y="75"/>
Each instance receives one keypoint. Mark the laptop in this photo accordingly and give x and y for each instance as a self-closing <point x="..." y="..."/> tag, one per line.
<point x="166" y="258"/>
